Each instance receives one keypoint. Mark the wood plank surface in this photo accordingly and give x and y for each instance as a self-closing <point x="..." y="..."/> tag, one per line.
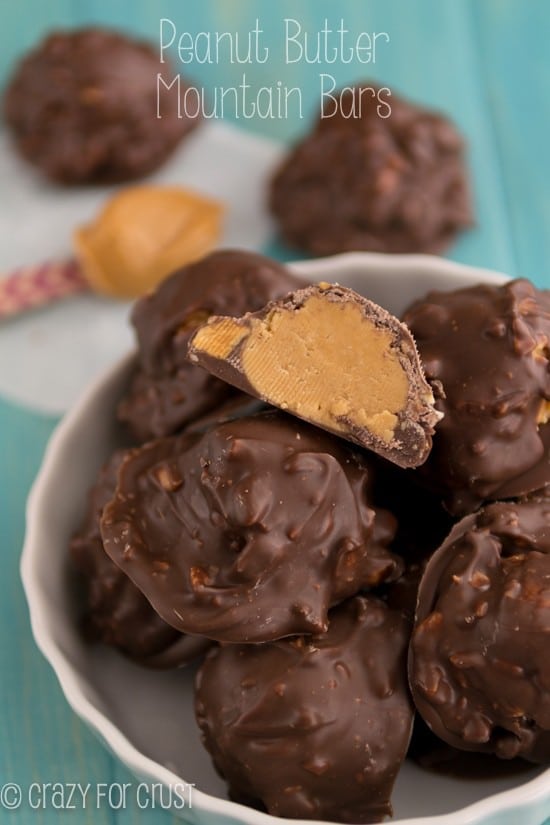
<point x="484" y="62"/>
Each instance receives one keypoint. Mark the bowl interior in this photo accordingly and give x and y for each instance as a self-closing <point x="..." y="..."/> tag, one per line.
<point x="147" y="717"/>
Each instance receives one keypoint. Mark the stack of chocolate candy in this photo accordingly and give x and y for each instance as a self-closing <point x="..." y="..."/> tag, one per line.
<point x="283" y="502"/>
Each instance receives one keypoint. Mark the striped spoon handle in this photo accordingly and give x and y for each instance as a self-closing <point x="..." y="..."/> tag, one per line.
<point x="30" y="287"/>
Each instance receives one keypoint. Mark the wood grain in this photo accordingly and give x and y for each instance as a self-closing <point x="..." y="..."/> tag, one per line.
<point x="483" y="62"/>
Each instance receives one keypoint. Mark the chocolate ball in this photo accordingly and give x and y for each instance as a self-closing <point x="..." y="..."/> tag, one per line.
<point x="370" y="181"/>
<point x="485" y="351"/>
<point x="479" y="668"/>
<point x="82" y="107"/>
<point x="167" y="392"/>
<point x="116" y="612"/>
<point x="312" y="727"/>
<point x="250" y="531"/>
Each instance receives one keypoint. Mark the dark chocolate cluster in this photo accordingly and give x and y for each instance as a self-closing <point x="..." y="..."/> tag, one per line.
<point x="392" y="183"/>
<point x="167" y="391"/>
<point x="250" y="531"/>
<point x="479" y="669"/>
<point x="486" y="351"/>
<point x="82" y="107"/>
<point x="116" y="611"/>
<point x="313" y="727"/>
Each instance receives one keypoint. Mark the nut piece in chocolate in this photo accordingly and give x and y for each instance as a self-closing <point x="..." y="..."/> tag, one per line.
<point x="312" y="727"/>
<point x="116" y="612"/>
<point x="479" y="667"/>
<point x="82" y="107"/>
<point x="394" y="183"/>
<point x="333" y="358"/>
<point x="487" y="347"/>
<point x="250" y="531"/>
<point x="167" y="392"/>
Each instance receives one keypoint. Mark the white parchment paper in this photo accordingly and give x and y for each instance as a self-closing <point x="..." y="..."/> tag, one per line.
<point x="47" y="357"/>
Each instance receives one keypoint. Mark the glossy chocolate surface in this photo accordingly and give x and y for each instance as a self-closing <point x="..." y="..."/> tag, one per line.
<point x="352" y="368"/>
<point x="312" y="727"/>
<point x="250" y="531"/>
<point x="479" y="668"/>
<point x="116" y="613"/>
<point x="167" y="391"/>
<point x="485" y="350"/>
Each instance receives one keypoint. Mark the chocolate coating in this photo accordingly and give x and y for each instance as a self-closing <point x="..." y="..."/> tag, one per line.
<point x="82" y="107"/>
<point x="331" y="347"/>
<point x="479" y="667"/>
<point x="168" y="392"/>
<point x="317" y="727"/>
<point x="487" y="348"/>
<point x="116" y="612"/>
<point x="251" y="531"/>
<point x="436" y="756"/>
<point x="385" y="184"/>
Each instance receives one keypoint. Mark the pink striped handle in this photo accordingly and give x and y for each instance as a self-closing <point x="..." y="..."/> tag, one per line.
<point x="30" y="287"/>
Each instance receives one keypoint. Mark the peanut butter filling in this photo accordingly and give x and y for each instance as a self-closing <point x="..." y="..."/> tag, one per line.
<point x="542" y="353"/>
<point x="324" y="361"/>
<point x="143" y="234"/>
<point x="544" y="412"/>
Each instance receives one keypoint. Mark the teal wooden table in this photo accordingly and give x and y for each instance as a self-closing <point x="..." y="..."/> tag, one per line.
<point x="485" y="62"/>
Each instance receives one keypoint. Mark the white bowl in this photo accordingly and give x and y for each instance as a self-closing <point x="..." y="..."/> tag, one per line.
<point x="146" y="718"/>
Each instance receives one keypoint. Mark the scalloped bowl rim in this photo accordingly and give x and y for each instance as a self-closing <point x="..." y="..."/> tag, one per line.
<point x="535" y="791"/>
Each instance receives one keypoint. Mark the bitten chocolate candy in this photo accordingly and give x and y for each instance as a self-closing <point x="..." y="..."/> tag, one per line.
<point x="312" y="727"/>
<point x="487" y="349"/>
<point x="479" y="667"/>
<point x="116" y="612"/>
<point x="167" y="392"/>
<point x="82" y="107"/>
<point x="333" y="358"/>
<point x="251" y="531"/>
<point x="378" y="181"/>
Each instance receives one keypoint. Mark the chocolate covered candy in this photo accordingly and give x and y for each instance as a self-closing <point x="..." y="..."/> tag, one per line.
<point x="167" y="391"/>
<point x="116" y="613"/>
<point x="378" y="174"/>
<point x="250" y="531"/>
<point x="486" y="349"/>
<point x="83" y="107"/>
<point x="479" y="668"/>
<point x="312" y="727"/>
<point x="333" y="358"/>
